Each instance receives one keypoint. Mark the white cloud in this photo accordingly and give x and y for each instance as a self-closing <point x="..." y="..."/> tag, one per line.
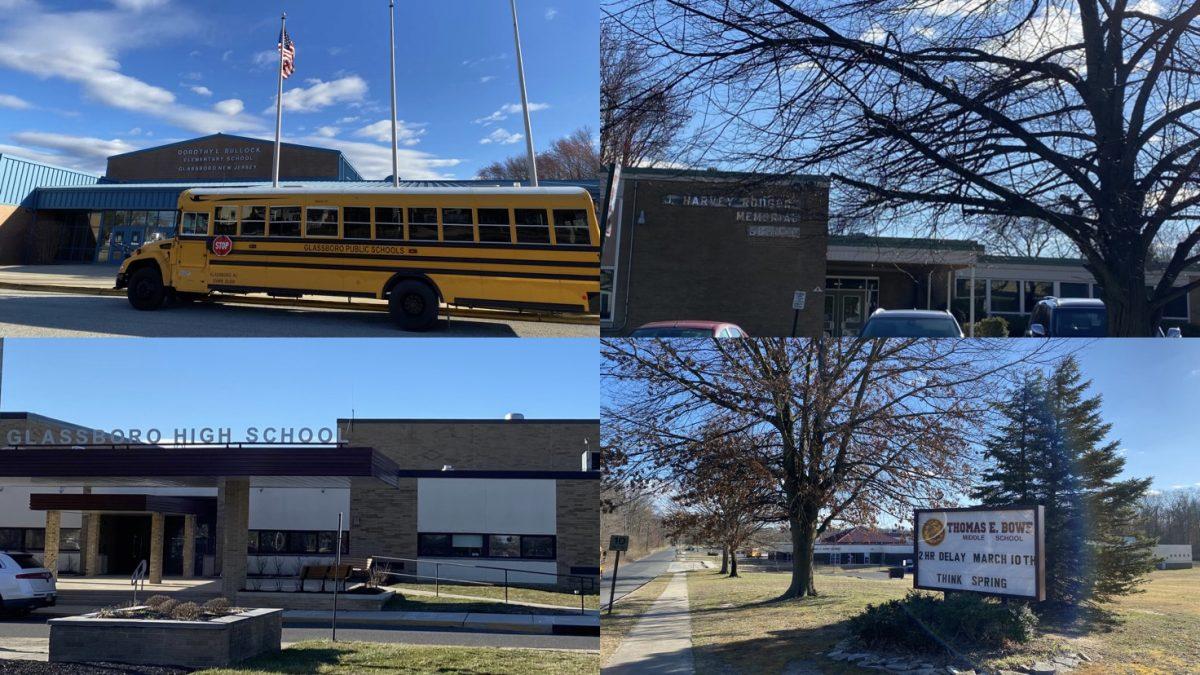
<point x="31" y="42"/>
<point x="406" y="133"/>
<point x="348" y="120"/>
<point x="375" y="161"/>
<point x="230" y="106"/>
<point x="75" y="152"/>
<point x="327" y="131"/>
<point x="509" y="109"/>
<point x="265" y="59"/>
<point x="551" y="12"/>
<point x="139" y="5"/>
<point x="501" y="137"/>
<point x="226" y="55"/>
<point x="14" y="102"/>
<point x="203" y="91"/>
<point x="320" y="94"/>
<point x="486" y="78"/>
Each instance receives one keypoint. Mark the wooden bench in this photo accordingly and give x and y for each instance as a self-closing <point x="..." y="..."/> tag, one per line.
<point x="334" y="573"/>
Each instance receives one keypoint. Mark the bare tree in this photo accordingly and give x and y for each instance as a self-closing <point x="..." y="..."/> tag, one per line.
<point x="1082" y="114"/>
<point x="628" y="512"/>
<point x="853" y="429"/>
<point x="1023" y="237"/>
<point x="573" y="157"/>
<point x="640" y="117"/>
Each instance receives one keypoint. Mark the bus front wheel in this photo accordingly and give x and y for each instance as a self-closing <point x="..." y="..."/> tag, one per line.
<point x="413" y="305"/>
<point x="146" y="290"/>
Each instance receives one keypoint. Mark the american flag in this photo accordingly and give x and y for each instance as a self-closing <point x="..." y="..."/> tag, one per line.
<point x="289" y="53"/>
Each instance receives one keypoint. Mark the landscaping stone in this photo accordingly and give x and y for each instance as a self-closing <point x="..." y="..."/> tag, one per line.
<point x="1042" y="668"/>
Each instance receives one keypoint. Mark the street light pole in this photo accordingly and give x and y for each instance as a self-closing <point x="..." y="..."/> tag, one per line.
<point x="533" y="176"/>
<point x="392" y="34"/>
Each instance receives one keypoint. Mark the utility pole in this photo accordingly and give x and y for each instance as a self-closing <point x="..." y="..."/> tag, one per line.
<point x="533" y="176"/>
<point x="392" y="33"/>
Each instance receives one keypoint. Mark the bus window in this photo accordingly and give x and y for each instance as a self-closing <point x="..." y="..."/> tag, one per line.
<point x="225" y="221"/>
<point x="194" y="224"/>
<point x="571" y="227"/>
<point x="254" y="221"/>
<point x="422" y="224"/>
<point x="494" y="225"/>
<point x="285" y="221"/>
<point x="458" y="225"/>
<point x="321" y="221"/>
<point x="356" y="221"/>
<point x="389" y="223"/>
<point x="533" y="227"/>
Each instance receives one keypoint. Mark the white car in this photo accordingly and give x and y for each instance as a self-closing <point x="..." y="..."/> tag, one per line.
<point x="911" y="323"/>
<point x="24" y="584"/>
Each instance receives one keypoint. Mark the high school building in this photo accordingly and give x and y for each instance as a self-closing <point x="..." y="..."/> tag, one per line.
<point x="51" y="214"/>
<point x="736" y="247"/>
<point x="518" y="495"/>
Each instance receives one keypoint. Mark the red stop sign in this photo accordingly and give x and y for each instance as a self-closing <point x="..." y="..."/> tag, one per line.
<point x="222" y="245"/>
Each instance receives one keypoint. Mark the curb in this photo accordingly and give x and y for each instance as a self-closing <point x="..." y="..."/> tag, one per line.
<point x="469" y="313"/>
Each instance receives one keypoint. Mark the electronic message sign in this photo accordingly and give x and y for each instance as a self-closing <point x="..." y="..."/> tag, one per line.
<point x="993" y="550"/>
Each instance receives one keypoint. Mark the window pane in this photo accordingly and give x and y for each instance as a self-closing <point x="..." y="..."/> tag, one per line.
<point x="325" y="542"/>
<point x="533" y="227"/>
<point x="456" y="225"/>
<point x="493" y="217"/>
<point x="195" y="224"/>
<point x="467" y="545"/>
<point x="225" y="221"/>
<point x="11" y="539"/>
<point x="1073" y="290"/>
<point x="504" y="546"/>
<point x="302" y="542"/>
<point x="68" y="539"/>
<point x="252" y="541"/>
<point x="571" y="227"/>
<point x="285" y="221"/>
<point x="35" y="538"/>
<point x="272" y="541"/>
<point x="321" y="222"/>
<point x="422" y="224"/>
<point x="388" y="215"/>
<point x="356" y="223"/>
<point x="493" y="225"/>
<point x="433" y="544"/>
<point x="1035" y="291"/>
<point x="254" y="221"/>
<point x="537" y="547"/>
<point x="1006" y="296"/>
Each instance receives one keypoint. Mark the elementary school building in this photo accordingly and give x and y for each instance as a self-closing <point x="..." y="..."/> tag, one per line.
<point x="740" y="248"/>
<point x="481" y="497"/>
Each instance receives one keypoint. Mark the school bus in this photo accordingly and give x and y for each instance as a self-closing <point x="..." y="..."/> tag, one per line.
<point x="507" y="248"/>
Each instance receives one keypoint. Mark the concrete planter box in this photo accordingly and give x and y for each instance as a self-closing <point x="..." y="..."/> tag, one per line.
<point x="195" y="644"/>
<point x="323" y="602"/>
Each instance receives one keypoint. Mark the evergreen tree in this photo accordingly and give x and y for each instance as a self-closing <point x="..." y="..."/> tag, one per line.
<point x="1051" y="448"/>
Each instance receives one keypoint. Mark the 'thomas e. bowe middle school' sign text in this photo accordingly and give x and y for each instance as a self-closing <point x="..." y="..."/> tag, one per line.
<point x="994" y="550"/>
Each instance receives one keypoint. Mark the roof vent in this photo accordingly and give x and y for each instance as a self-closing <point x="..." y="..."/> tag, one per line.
<point x="514" y="416"/>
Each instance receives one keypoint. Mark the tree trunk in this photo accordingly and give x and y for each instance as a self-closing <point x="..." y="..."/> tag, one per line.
<point x="732" y="563"/>
<point x="1129" y="313"/>
<point x="724" y="560"/>
<point x="804" y="535"/>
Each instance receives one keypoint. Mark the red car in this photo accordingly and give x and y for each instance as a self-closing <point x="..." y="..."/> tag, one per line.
<point x="689" y="329"/>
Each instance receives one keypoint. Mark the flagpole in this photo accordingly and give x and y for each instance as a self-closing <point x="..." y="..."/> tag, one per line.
<point x="392" y="38"/>
<point x="279" y="100"/>
<point x="533" y="177"/>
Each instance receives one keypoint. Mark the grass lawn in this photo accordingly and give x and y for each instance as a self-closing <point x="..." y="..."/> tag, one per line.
<point x="614" y="627"/>
<point x="567" y="600"/>
<point x="736" y="622"/>
<point x="429" y="603"/>
<point x="360" y="657"/>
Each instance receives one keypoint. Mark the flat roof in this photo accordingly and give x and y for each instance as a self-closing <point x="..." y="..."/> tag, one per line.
<point x="124" y="503"/>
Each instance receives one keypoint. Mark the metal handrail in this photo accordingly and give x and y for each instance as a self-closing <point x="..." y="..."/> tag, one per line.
<point x="139" y="575"/>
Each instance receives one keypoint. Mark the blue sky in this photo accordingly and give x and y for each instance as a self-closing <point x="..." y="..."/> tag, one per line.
<point x="169" y="383"/>
<point x="80" y="81"/>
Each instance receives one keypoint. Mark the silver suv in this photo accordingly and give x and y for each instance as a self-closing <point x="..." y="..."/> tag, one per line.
<point x="24" y="584"/>
<point x="911" y="323"/>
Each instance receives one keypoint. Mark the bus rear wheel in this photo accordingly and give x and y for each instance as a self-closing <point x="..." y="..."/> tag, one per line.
<point x="413" y="305"/>
<point x="146" y="290"/>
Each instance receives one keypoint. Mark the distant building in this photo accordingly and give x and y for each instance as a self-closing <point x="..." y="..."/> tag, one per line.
<point x="1174" y="556"/>
<point x="854" y="546"/>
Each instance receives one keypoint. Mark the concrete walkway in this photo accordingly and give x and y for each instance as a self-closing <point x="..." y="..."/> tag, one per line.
<point x="661" y="641"/>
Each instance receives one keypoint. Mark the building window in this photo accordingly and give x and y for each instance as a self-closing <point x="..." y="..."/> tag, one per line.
<point x="606" y="291"/>
<point x="537" y="547"/>
<point x="513" y="546"/>
<point x="195" y="224"/>
<point x="1006" y="296"/>
<point x="12" y="539"/>
<point x="356" y="221"/>
<point x="422" y="224"/>
<point x="466" y="545"/>
<point x="458" y="225"/>
<point x="321" y="221"/>
<point x="494" y="225"/>
<point x="302" y="542"/>
<point x="294" y="542"/>
<point x="68" y="539"/>
<point x="1068" y="289"/>
<point x="35" y="539"/>
<point x="225" y="221"/>
<point x="504" y="546"/>
<point x="1176" y="308"/>
<point x="1035" y="291"/>
<point x="533" y="227"/>
<point x="571" y="227"/>
<point x="285" y="221"/>
<point x="254" y="221"/>
<point x="389" y="223"/>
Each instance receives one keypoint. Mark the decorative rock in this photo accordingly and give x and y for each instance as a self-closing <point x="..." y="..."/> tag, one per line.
<point x="1042" y="668"/>
<point x="1084" y="657"/>
<point x="951" y="670"/>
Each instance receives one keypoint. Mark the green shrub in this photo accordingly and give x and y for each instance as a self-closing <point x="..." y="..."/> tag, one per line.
<point x="218" y="606"/>
<point x="188" y="611"/>
<point x="155" y="600"/>
<point x="992" y="327"/>
<point x="921" y="622"/>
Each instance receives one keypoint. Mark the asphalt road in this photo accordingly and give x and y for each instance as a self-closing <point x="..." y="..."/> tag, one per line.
<point x="40" y="314"/>
<point x="34" y="626"/>
<point x="632" y="575"/>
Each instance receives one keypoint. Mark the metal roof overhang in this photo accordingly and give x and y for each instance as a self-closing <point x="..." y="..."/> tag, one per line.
<point x="124" y="503"/>
<point x="157" y="466"/>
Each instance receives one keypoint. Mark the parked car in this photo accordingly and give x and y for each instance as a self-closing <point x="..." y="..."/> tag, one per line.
<point x="689" y="329"/>
<point x="911" y="323"/>
<point x="1068" y="317"/>
<point x="24" y="584"/>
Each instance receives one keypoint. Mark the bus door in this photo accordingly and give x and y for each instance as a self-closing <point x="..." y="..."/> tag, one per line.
<point x="190" y="269"/>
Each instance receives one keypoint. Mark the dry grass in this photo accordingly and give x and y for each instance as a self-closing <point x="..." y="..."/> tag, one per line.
<point x="614" y="627"/>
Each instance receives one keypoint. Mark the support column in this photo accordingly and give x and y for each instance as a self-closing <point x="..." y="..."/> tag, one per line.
<point x="233" y="505"/>
<point x="156" y="547"/>
<point x="50" y="550"/>
<point x="91" y="544"/>
<point x="189" y="546"/>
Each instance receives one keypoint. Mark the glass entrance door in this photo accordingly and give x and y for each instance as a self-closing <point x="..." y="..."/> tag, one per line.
<point x="845" y="312"/>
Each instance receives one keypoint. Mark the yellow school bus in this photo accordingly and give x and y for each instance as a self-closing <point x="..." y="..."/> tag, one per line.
<point x="509" y="248"/>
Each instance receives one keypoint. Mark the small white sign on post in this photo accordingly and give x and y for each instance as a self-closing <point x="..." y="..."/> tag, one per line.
<point x="798" y="299"/>
<point x="992" y="550"/>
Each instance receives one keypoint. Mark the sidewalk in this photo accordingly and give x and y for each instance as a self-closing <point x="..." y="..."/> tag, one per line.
<point x="661" y="641"/>
<point x="66" y="278"/>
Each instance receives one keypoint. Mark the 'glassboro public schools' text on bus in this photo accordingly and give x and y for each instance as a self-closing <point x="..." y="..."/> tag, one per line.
<point x="512" y="248"/>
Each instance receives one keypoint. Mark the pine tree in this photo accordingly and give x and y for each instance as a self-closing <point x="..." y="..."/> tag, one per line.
<point x="1051" y="448"/>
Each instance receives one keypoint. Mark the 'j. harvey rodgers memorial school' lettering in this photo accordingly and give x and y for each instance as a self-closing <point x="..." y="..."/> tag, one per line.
<point x="983" y="551"/>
